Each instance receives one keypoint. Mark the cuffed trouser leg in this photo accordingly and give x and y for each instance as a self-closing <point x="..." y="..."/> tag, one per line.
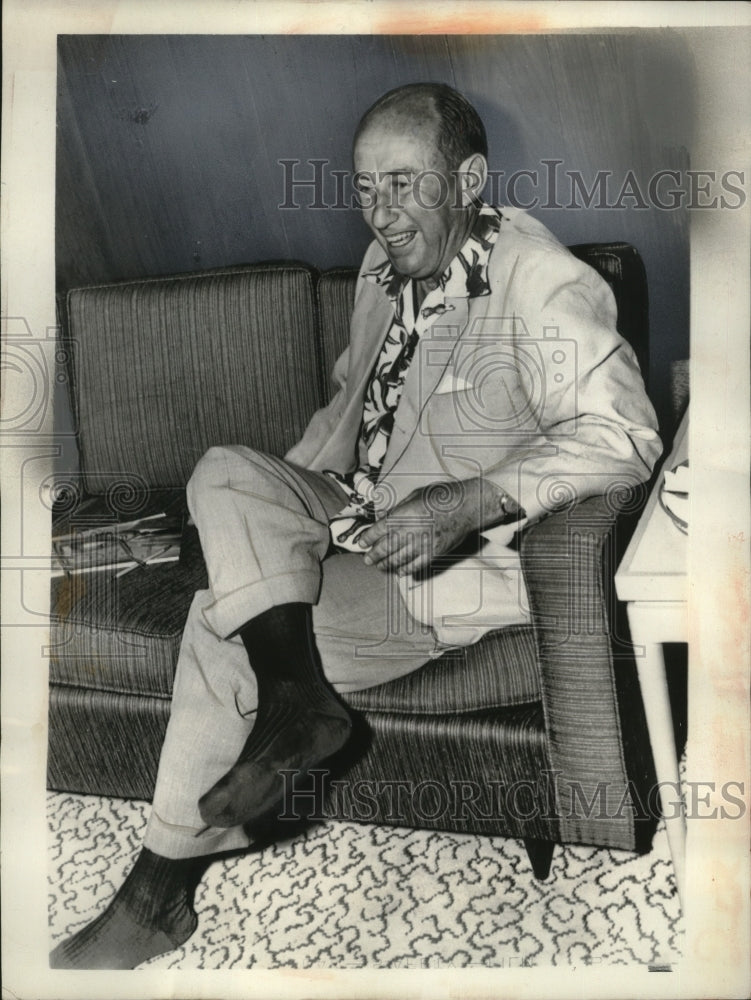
<point x="363" y="633"/>
<point x="264" y="532"/>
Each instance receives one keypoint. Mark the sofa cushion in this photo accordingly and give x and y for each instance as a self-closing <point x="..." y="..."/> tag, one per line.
<point x="163" y="369"/>
<point x="497" y="672"/>
<point x="122" y="635"/>
<point x="336" y="297"/>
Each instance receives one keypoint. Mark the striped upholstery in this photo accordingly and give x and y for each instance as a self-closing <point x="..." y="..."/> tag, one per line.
<point x="564" y="561"/>
<point x="456" y="772"/>
<point x="104" y="743"/>
<point x="336" y="296"/>
<point x="166" y="368"/>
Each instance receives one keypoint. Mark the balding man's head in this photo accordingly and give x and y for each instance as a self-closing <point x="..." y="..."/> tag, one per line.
<point x="459" y="131"/>
<point x="420" y="168"/>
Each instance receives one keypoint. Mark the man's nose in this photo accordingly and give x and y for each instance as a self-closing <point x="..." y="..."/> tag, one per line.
<point x="384" y="213"/>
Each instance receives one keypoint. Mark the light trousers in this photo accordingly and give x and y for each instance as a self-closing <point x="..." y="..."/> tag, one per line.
<point x="263" y="525"/>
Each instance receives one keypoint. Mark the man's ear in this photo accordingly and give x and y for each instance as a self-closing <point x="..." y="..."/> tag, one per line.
<point x="472" y="175"/>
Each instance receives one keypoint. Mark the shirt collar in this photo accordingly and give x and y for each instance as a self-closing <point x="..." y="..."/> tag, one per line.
<point x="466" y="274"/>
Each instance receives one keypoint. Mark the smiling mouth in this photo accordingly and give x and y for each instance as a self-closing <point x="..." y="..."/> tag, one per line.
<point x="400" y="240"/>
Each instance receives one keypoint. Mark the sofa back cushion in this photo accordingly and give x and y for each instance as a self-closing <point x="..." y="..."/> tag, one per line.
<point x="336" y="297"/>
<point x="165" y="368"/>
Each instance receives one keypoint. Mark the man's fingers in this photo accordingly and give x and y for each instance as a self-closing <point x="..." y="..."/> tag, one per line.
<point x="399" y="549"/>
<point x="416" y="557"/>
<point x="393" y="561"/>
<point x="373" y="533"/>
<point x="382" y="548"/>
<point x="416" y="564"/>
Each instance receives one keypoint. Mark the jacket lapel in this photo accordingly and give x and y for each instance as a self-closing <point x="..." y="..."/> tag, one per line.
<point x="367" y="333"/>
<point x="432" y="356"/>
<point x="366" y="342"/>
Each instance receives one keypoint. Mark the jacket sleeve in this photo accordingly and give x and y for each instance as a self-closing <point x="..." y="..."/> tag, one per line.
<point x="322" y="423"/>
<point x="594" y="428"/>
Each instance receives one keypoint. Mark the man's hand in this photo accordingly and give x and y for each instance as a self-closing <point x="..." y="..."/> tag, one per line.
<point x="432" y="522"/>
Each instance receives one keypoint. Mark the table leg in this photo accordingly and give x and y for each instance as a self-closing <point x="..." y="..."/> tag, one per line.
<point x="654" y="689"/>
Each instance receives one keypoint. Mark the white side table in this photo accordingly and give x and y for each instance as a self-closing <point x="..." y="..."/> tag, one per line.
<point x="653" y="579"/>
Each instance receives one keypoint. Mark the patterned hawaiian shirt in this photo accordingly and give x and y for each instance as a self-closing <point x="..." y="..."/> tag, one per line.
<point x="465" y="277"/>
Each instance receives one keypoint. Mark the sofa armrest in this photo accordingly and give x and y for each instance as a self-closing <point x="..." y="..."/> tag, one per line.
<point x="568" y="561"/>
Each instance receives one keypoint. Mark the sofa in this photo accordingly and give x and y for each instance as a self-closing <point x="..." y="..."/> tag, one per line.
<point x="536" y="732"/>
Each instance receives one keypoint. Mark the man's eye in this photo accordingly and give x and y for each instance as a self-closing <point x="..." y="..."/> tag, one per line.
<point x="363" y="181"/>
<point x="365" y="196"/>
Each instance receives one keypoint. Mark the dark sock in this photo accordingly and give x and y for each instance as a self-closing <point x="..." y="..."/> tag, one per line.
<point x="151" y="913"/>
<point x="299" y="722"/>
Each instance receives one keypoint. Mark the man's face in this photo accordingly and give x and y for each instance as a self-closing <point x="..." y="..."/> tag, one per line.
<point x="409" y="197"/>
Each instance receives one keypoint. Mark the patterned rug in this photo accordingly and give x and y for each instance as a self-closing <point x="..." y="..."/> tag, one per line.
<point x="345" y="896"/>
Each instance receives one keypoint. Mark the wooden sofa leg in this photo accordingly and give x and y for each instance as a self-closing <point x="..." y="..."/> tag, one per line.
<point x="540" y="853"/>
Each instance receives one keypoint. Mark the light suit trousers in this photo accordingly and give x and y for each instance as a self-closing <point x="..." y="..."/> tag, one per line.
<point x="263" y="525"/>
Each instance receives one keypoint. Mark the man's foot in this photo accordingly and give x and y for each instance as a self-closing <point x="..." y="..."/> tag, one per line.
<point x="284" y="737"/>
<point x="299" y="723"/>
<point x="116" y="940"/>
<point x="151" y="914"/>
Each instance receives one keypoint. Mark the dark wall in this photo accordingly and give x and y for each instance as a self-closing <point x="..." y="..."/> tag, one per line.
<point x="169" y="146"/>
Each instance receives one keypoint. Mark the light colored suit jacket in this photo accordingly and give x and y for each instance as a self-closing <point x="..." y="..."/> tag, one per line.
<point x="530" y="387"/>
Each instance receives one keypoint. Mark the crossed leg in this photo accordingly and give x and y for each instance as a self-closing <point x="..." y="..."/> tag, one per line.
<point x="264" y="531"/>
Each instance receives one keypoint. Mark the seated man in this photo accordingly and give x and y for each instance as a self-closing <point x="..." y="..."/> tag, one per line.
<point x="434" y="437"/>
